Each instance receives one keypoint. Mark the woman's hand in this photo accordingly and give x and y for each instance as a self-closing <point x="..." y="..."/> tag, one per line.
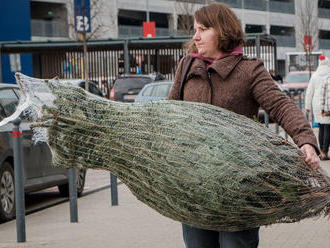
<point x="311" y="157"/>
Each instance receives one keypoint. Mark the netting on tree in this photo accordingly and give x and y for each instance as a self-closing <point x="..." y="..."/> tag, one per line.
<point x="195" y="163"/>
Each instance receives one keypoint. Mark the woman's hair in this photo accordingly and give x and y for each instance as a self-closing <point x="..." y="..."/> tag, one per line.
<point x="226" y="24"/>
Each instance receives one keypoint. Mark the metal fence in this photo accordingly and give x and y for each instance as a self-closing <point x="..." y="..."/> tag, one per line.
<point x="109" y="58"/>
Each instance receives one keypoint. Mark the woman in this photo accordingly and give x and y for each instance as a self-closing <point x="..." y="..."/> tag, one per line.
<point x="222" y="76"/>
<point x="316" y="100"/>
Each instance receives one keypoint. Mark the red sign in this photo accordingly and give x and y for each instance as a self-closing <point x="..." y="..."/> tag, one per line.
<point x="16" y="134"/>
<point x="308" y="40"/>
<point x="308" y="46"/>
<point x="149" y="29"/>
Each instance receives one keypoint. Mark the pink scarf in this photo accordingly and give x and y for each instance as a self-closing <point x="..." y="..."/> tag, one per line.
<point x="237" y="51"/>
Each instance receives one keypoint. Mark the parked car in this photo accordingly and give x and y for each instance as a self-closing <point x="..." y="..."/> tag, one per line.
<point x="154" y="91"/>
<point x="38" y="172"/>
<point x="159" y="91"/>
<point x="296" y="82"/>
<point x="92" y="85"/>
<point x="127" y="87"/>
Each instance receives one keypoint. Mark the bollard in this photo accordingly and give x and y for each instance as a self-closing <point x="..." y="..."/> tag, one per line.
<point x="266" y="118"/>
<point x="300" y="101"/>
<point x="277" y="128"/>
<point x="19" y="182"/>
<point x="114" y="190"/>
<point x="73" y="195"/>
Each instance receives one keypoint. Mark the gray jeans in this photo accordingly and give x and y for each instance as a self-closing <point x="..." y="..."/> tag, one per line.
<point x="199" y="238"/>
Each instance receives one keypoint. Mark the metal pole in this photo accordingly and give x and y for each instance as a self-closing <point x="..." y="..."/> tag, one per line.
<point x="148" y="13"/>
<point x="258" y="46"/>
<point x="19" y="182"/>
<point x="266" y="117"/>
<point x="73" y="195"/>
<point x="148" y="20"/>
<point x="126" y="56"/>
<point x="275" y="57"/>
<point x="277" y="128"/>
<point x="84" y="40"/>
<point x="156" y="61"/>
<point x="243" y="15"/>
<point x="268" y="21"/>
<point x="114" y="190"/>
<point x="300" y="101"/>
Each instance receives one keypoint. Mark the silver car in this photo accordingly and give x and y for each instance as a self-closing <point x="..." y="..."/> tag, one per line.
<point x="154" y="91"/>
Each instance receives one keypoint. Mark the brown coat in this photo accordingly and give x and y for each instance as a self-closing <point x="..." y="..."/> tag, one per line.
<point x="242" y="85"/>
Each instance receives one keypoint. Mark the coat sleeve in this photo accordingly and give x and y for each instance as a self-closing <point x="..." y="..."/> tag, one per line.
<point x="279" y="107"/>
<point x="322" y="97"/>
<point x="310" y="94"/>
<point x="175" y="89"/>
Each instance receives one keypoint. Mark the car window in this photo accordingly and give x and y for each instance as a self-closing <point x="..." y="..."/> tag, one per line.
<point x="131" y="83"/>
<point x="161" y="90"/>
<point x="8" y="102"/>
<point x="94" y="90"/>
<point x="298" y="77"/>
<point x="147" y="91"/>
<point x="18" y="93"/>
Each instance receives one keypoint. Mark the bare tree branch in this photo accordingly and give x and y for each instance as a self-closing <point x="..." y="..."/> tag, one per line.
<point x="185" y="10"/>
<point x="307" y="18"/>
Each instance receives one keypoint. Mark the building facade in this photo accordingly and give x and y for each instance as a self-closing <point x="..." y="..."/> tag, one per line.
<point x="53" y="20"/>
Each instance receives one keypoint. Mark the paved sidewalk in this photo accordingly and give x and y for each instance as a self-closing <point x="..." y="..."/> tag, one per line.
<point x="129" y="225"/>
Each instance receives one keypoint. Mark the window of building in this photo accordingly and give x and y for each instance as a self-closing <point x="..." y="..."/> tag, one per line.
<point x="283" y="1"/>
<point x="130" y="23"/>
<point x="250" y="28"/>
<point x="49" y="19"/>
<point x="282" y="30"/>
<point x="136" y="18"/>
<point x="324" y="4"/>
<point x="282" y="6"/>
<point x="324" y="34"/>
<point x="285" y="36"/>
<point x="324" y="39"/>
<point x="324" y="8"/>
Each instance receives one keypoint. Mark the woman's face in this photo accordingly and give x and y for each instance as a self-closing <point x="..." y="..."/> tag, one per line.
<point x="206" y="41"/>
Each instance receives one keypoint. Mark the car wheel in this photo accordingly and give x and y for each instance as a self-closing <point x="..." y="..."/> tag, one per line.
<point x="80" y="180"/>
<point x="7" y="192"/>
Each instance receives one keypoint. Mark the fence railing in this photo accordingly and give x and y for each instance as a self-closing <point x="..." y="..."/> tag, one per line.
<point x="232" y="3"/>
<point x="324" y="44"/>
<point x="126" y="31"/>
<point x="282" y="7"/>
<point x="45" y="28"/>
<point x="285" y="40"/>
<point x="255" y="4"/>
<point x="107" y="59"/>
<point x="324" y="13"/>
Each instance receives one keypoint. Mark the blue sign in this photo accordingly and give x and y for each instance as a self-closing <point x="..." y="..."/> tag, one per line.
<point x="82" y="16"/>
